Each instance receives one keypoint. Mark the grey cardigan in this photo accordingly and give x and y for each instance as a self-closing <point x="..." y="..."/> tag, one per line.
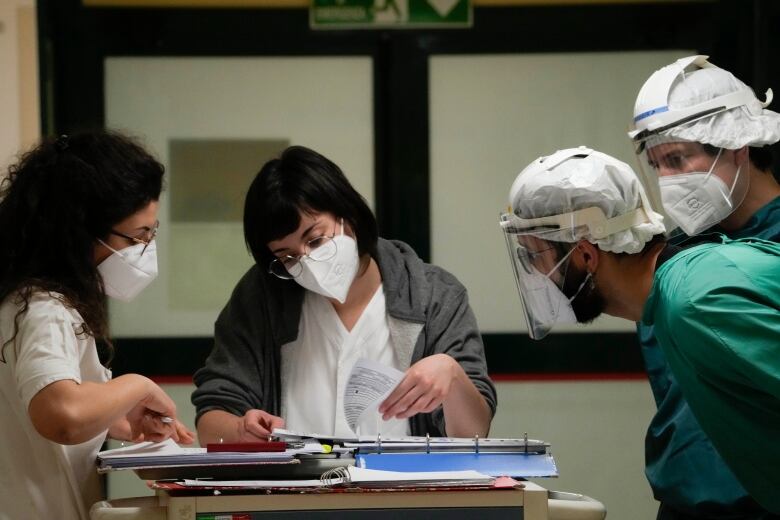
<point x="428" y="313"/>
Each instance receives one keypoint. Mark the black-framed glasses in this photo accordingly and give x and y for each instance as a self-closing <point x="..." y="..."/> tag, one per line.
<point x="144" y="238"/>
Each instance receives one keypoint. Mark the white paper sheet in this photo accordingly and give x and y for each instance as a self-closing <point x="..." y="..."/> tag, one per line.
<point x="368" y="385"/>
<point x="149" y="448"/>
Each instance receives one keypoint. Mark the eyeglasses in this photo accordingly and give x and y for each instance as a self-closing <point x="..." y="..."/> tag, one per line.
<point x="317" y="249"/>
<point x="530" y="259"/>
<point x="144" y="238"/>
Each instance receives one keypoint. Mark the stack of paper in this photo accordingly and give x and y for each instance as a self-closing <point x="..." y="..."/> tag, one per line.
<point x="169" y="454"/>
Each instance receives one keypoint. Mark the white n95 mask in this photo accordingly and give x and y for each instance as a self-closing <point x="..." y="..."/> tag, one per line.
<point x="127" y="272"/>
<point x="548" y="305"/>
<point x="333" y="277"/>
<point x="696" y="201"/>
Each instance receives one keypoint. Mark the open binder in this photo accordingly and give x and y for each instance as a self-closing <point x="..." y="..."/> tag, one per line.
<point x="350" y="478"/>
<point x="522" y="458"/>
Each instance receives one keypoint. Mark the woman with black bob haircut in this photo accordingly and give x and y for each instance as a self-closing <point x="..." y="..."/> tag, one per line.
<point x="78" y="216"/>
<point x="326" y="291"/>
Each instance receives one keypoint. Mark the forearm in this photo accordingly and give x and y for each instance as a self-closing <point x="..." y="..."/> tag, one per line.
<point x="466" y="413"/>
<point x="71" y="413"/>
<point x="217" y="426"/>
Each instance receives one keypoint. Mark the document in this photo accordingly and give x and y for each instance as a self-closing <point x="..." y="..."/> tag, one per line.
<point x="368" y="385"/>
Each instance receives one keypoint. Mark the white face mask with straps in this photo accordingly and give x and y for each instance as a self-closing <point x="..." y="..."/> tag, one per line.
<point x="697" y="201"/>
<point x="127" y="272"/>
<point x="333" y="277"/>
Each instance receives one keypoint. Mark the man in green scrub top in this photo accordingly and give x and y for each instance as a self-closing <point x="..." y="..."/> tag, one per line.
<point x="692" y="118"/>
<point x="584" y="240"/>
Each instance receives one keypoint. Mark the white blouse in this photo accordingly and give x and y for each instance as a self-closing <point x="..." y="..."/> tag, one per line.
<point x="40" y="478"/>
<point x="315" y="367"/>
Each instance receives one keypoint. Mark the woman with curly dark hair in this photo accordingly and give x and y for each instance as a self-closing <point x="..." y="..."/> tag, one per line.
<point x="78" y="217"/>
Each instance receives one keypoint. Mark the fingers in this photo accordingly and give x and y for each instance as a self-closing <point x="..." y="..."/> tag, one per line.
<point x="424" y="404"/>
<point x="272" y="421"/>
<point x="408" y="382"/>
<point x="185" y="435"/>
<point x="259" y="424"/>
<point x="154" y="429"/>
<point x="403" y="403"/>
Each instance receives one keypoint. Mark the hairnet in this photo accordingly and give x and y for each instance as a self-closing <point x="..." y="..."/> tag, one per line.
<point x="579" y="178"/>
<point x="749" y="124"/>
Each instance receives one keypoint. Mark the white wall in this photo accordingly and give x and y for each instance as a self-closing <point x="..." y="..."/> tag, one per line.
<point x="19" y="120"/>
<point x="324" y="103"/>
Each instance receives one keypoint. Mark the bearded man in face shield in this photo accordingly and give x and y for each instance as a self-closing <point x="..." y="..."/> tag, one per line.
<point x="703" y="134"/>
<point x="584" y="240"/>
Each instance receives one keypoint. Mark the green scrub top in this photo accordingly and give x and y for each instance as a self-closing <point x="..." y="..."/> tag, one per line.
<point x="681" y="465"/>
<point x="715" y="309"/>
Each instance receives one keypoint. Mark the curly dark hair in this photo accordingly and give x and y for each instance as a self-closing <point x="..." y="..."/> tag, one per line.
<point x="61" y="197"/>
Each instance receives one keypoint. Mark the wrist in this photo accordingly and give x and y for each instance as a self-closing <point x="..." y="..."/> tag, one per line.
<point x="148" y="388"/>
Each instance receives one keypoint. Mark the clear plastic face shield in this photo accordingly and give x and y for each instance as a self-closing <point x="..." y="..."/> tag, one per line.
<point x="540" y="253"/>
<point x="540" y="267"/>
<point x="698" y="185"/>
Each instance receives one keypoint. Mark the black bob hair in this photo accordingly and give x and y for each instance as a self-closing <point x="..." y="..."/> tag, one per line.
<point x="302" y="180"/>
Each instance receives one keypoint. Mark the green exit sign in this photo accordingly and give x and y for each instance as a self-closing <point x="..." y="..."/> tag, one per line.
<point x="400" y="14"/>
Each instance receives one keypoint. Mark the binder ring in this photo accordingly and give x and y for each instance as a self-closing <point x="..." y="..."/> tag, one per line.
<point x="335" y="476"/>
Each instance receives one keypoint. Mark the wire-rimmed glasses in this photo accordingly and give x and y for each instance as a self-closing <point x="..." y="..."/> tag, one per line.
<point x="318" y="249"/>
<point x="144" y="238"/>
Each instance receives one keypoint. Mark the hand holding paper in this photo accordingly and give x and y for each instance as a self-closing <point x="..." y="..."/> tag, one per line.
<point x="258" y="425"/>
<point x="425" y="386"/>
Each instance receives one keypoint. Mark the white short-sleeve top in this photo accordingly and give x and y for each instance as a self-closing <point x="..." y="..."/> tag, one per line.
<point x="40" y="478"/>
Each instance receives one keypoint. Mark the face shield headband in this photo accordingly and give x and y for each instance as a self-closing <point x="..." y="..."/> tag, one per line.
<point x="666" y="118"/>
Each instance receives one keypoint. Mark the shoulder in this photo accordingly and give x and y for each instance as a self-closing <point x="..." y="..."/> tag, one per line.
<point x="705" y="278"/>
<point x="41" y="306"/>
<point x="398" y="259"/>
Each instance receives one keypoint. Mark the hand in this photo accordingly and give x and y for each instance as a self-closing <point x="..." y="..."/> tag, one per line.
<point x="185" y="435"/>
<point x="145" y="418"/>
<point x="426" y="385"/>
<point x="257" y="424"/>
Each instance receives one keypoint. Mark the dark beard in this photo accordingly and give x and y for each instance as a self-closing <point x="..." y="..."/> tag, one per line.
<point x="589" y="303"/>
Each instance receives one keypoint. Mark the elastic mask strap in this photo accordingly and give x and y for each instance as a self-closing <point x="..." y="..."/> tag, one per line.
<point x="727" y="198"/>
<point x="109" y="247"/>
<point x="577" y="292"/>
<point x="734" y="185"/>
<point x="709" y="173"/>
<point x="555" y="268"/>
